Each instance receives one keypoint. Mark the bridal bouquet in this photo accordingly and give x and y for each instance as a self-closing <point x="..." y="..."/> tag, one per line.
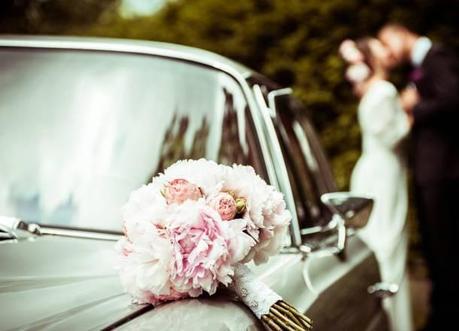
<point x="194" y="227"/>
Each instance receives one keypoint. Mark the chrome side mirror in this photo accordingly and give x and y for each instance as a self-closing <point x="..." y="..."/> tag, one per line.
<point x="350" y="212"/>
<point x="354" y="210"/>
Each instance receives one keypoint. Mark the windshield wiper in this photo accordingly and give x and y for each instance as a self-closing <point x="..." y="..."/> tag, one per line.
<point x="14" y="228"/>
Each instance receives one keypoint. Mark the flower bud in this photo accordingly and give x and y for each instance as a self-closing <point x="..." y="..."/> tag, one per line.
<point x="241" y="205"/>
<point x="225" y="205"/>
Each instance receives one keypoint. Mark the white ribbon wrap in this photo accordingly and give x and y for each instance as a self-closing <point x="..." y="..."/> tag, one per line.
<point x="254" y="293"/>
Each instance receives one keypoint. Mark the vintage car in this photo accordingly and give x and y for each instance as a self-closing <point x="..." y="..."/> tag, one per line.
<point x="85" y="121"/>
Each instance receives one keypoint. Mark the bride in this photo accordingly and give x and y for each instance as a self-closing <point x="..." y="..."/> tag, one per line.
<point x="380" y="171"/>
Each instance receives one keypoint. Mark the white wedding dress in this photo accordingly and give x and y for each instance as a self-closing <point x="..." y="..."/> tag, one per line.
<point x="380" y="173"/>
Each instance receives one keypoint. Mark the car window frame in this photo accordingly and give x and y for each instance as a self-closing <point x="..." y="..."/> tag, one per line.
<point x="281" y="170"/>
<point x="315" y="148"/>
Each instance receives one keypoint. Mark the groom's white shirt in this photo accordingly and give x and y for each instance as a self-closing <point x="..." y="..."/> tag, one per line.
<point x="420" y="49"/>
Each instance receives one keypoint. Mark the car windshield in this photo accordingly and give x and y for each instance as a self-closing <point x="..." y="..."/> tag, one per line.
<point x="79" y="130"/>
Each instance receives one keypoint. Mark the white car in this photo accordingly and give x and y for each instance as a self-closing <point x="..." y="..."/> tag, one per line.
<point x="85" y="121"/>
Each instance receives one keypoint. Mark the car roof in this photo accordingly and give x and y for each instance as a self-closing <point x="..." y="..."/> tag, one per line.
<point x="155" y="48"/>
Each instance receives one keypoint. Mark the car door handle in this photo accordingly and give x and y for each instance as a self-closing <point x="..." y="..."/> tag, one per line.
<point x="383" y="289"/>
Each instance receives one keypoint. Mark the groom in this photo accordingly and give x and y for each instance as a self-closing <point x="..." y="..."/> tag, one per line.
<point x="432" y="101"/>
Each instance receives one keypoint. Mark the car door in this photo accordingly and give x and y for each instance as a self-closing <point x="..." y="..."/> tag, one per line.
<point x="339" y="283"/>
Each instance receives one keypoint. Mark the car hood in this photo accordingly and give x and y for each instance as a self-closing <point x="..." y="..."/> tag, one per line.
<point x="60" y="283"/>
<point x="63" y="283"/>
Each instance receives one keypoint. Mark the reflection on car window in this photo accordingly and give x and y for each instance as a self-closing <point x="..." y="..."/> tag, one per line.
<point x="314" y="155"/>
<point x="80" y="130"/>
<point x="309" y="173"/>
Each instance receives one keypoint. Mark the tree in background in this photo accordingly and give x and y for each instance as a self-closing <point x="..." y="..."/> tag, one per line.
<point x="53" y="16"/>
<point x="294" y="42"/>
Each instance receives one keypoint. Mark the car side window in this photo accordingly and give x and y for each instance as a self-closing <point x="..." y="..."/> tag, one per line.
<point x="309" y="172"/>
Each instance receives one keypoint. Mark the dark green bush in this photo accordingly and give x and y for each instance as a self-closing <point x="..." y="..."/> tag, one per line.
<point x="292" y="41"/>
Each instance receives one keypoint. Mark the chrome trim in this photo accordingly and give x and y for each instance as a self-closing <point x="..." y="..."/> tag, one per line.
<point x="160" y="49"/>
<point x="258" y="121"/>
<point x="86" y="234"/>
<point x="281" y="169"/>
<point x="6" y="236"/>
<point x="312" y="230"/>
<point x="17" y="229"/>
<point x="333" y="244"/>
<point x="272" y="95"/>
<point x="383" y="289"/>
<point x="305" y="147"/>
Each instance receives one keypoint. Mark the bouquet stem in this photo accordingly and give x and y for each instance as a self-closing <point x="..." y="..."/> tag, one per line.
<point x="274" y="313"/>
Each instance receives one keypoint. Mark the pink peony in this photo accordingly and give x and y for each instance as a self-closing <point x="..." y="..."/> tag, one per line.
<point x="207" y="175"/>
<point x="178" y="241"/>
<point x="156" y="299"/>
<point x="225" y="205"/>
<point x="266" y="215"/>
<point x="144" y="267"/>
<point x="201" y="256"/>
<point x="180" y="190"/>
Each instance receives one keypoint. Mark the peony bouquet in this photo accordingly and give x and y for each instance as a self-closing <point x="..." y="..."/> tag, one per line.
<point x="194" y="227"/>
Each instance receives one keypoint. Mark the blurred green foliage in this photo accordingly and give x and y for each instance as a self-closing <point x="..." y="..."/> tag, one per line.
<point x="53" y="16"/>
<point x="294" y="42"/>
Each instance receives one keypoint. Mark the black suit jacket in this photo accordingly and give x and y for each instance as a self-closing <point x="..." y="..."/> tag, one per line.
<point x="436" y="118"/>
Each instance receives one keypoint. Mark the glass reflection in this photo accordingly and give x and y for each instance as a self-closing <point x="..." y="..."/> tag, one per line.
<point x="80" y="130"/>
<point x="309" y="173"/>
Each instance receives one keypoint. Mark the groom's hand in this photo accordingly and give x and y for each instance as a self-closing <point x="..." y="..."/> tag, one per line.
<point x="409" y="99"/>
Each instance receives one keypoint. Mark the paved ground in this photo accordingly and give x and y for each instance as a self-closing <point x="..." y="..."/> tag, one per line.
<point x="420" y="289"/>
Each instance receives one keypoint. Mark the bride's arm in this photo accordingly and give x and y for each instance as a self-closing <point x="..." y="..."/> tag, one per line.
<point x="385" y="118"/>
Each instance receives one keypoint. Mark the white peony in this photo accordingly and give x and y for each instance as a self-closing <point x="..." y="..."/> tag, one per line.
<point x="203" y="173"/>
<point x="144" y="266"/>
<point x="267" y="217"/>
<point x="176" y="242"/>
